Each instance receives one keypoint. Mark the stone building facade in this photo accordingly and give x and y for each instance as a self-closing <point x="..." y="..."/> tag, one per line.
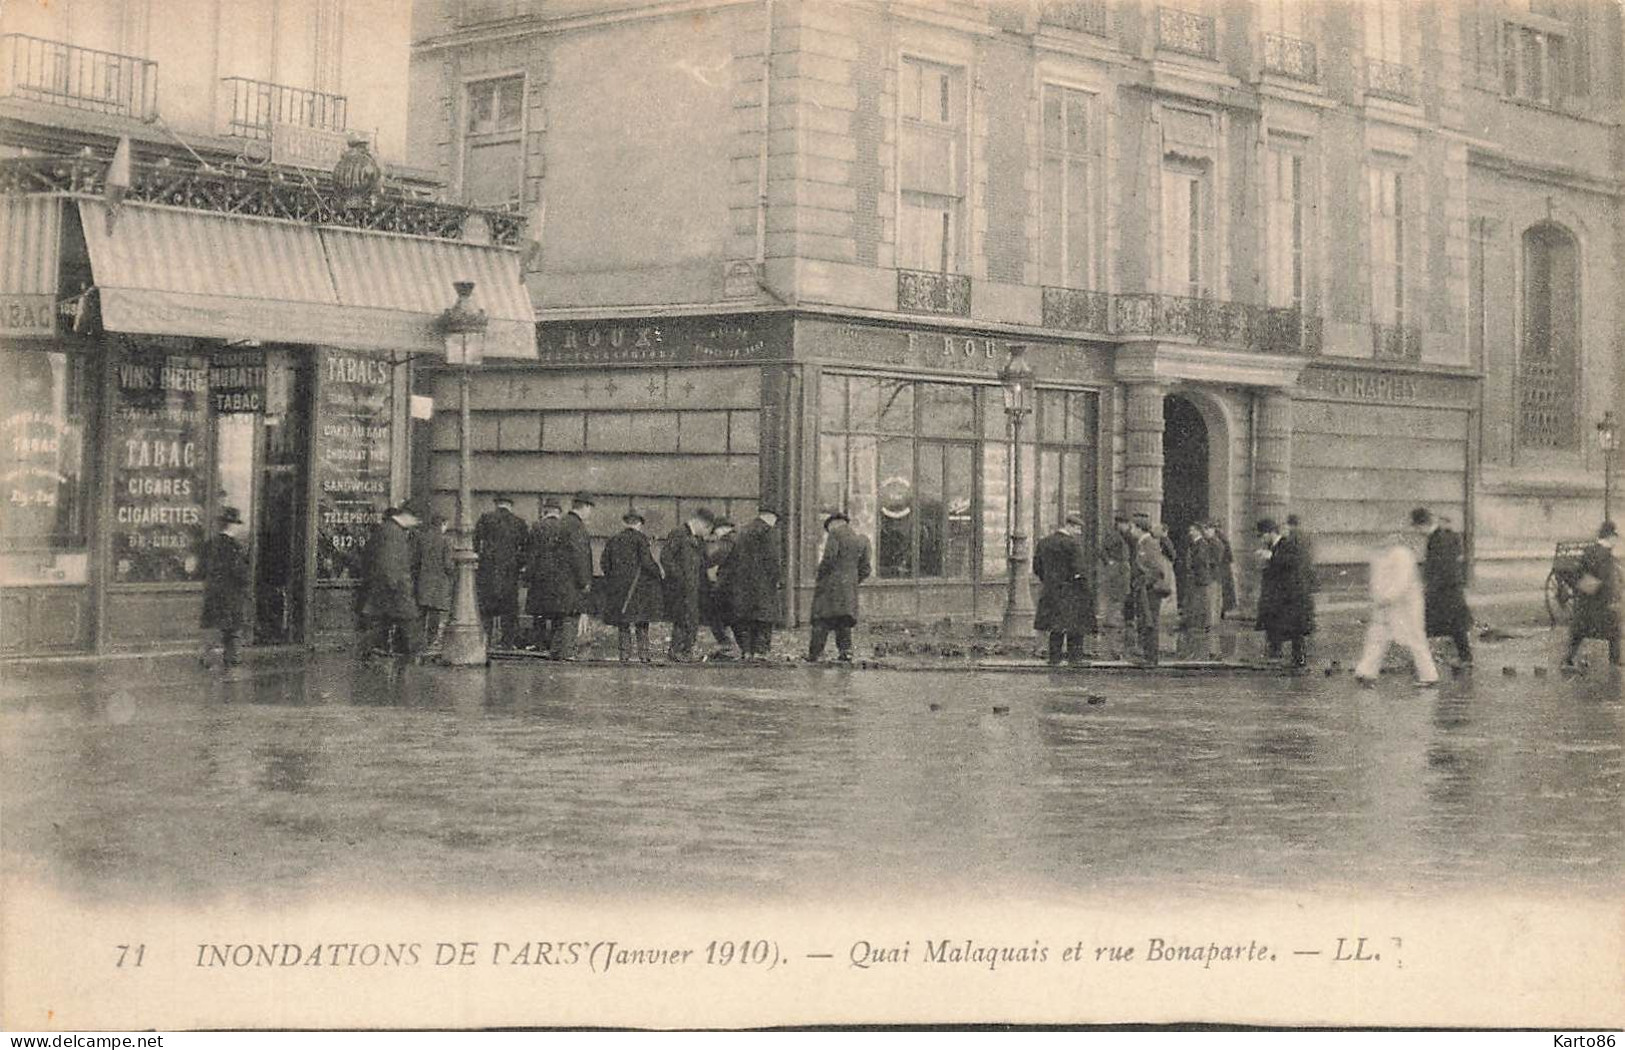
<point x="1331" y="258"/>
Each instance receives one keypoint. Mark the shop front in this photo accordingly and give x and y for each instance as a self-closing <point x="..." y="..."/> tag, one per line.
<point x="192" y="360"/>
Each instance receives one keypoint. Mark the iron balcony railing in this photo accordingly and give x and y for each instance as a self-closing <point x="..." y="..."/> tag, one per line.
<point x="1390" y="80"/>
<point x="1077" y="310"/>
<point x="1083" y="16"/>
<point x="1287" y="56"/>
<point x="1185" y="32"/>
<point x="78" y="77"/>
<point x="258" y="104"/>
<point x="1217" y="322"/>
<point x="929" y="292"/>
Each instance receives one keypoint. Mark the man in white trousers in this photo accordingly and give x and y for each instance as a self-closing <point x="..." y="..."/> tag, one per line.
<point x="1396" y="614"/>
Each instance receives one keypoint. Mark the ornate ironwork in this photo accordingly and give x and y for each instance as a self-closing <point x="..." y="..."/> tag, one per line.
<point x="261" y="192"/>
<point x="1396" y="342"/>
<point x="258" y="104"/>
<point x="78" y="77"/>
<point x="1185" y="32"/>
<point x="1546" y="409"/>
<point x="1390" y="80"/>
<point x="1217" y="322"/>
<point x="1076" y="310"/>
<point x="1288" y="56"/>
<point x="920" y="291"/>
<point x="1082" y="16"/>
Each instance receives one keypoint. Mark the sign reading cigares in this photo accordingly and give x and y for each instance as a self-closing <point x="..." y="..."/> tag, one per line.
<point x="160" y="430"/>
<point x="353" y="457"/>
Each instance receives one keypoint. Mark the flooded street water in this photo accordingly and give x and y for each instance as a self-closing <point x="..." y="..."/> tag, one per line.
<point x="155" y="777"/>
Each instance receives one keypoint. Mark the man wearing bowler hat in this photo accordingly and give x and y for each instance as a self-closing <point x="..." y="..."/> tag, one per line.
<point x="751" y="578"/>
<point x="539" y="550"/>
<point x="844" y="564"/>
<point x="1066" y="604"/>
<point x="565" y="578"/>
<point x="632" y="585"/>
<point x="499" y="540"/>
<point x="225" y="584"/>
<point x="682" y="559"/>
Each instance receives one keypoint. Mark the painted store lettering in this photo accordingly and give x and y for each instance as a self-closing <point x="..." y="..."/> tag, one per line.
<point x="159" y="454"/>
<point x="342" y="369"/>
<point x="615" y="337"/>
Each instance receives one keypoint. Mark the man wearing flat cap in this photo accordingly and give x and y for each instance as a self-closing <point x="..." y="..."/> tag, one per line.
<point x="499" y="539"/>
<point x="844" y="564"/>
<point x="632" y="582"/>
<point x="751" y="578"/>
<point x="1066" y="602"/>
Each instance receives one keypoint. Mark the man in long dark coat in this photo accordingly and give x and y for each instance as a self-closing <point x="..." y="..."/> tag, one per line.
<point x="1444" y="584"/>
<point x="1286" y="603"/>
<point x="844" y="564"/>
<point x="1115" y="554"/>
<point x="714" y="608"/>
<point x="682" y="559"/>
<point x="539" y="550"/>
<point x="1200" y="592"/>
<point x="751" y="578"/>
<point x="435" y="570"/>
<point x="1066" y="604"/>
<point x="392" y="605"/>
<point x="225" y="585"/>
<point x="499" y="540"/>
<point x="562" y="574"/>
<point x="1150" y="582"/>
<point x="1596" y="597"/>
<point x="631" y="588"/>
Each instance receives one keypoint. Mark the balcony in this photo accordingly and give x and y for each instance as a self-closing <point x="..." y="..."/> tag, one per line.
<point x="1185" y="32"/>
<point x="1080" y="16"/>
<point x="924" y="292"/>
<point x="1390" y="80"/>
<point x="1287" y="56"/>
<point x="257" y="104"/>
<point x="1076" y="310"/>
<point x="1217" y="322"/>
<point x="1396" y="342"/>
<point x="78" y="77"/>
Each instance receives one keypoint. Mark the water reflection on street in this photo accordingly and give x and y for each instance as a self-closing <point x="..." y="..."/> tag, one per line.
<point x="335" y="777"/>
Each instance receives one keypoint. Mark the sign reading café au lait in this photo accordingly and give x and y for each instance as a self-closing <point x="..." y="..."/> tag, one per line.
<point x="679" y="340"/>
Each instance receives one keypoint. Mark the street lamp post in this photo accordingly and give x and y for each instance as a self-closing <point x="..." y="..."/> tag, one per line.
<point x="1017" y="377"/>
<point x="1608" y="442"/>
<point x="463" y="327"/>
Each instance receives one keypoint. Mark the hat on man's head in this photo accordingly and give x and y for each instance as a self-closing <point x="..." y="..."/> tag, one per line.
<point x="1421" y="516"/>
<point x="502" y="497"/>
<point x="230" y="515"/>
<point x="1267" y="525"/>
<point x="1293" y="520"/>
<point x="1607" y="529"/>
<point x="582" y="499"/>
<point x="391" y="510"/>
<point x="632" y="516"/>
<point x="1142" y="518"/>
<point x="703" y="514"/>
<point x="1120" y="516"/>
<point x="1076" y="519"/>
<point x="833" y="515"/>
<point x="551" y="503"/>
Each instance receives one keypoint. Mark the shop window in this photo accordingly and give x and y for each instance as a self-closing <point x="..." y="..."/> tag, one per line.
<point x="1387" y="238"/>
<point x="1066" y="179"/>
<point x="930" y="162"/>
<point x="46" y="410"/>
<point x="1284" y="175"/>
<point x="1548" y="365"/>
<point x="493" y="169"/>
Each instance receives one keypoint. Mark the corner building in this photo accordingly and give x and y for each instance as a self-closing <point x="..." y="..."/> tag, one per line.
<point x="1332" y="258"/>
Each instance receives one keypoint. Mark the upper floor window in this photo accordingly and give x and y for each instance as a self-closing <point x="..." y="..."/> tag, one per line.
<point x="1284" y="174"/>
<point x="931" y="168"/>
<point x="493" y="170"/>
<point x="1387" y="234"/>
<point x="1184" y="218"/>
<point x="1385" y="30"/>
<point x="1067" y="183"/>
<point x="1548" y="366"/>
<point x="1534" y="64"/>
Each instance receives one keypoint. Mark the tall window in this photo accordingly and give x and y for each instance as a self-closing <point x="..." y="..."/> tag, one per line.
<point x="1534" y="64"/>
<point x="1551" y="336"/>
<point x="493" y="172"/>
<point x="1385" y="30"/>
<point x="1066" y="182"/>
<point x="1387" y="238"/>
<point x="46" y="399"/>
<point x="1286" y="17"/>
<point x="1284" y="176"/>
<point x="1184" y="214"/>
<point x="931" y="169"/>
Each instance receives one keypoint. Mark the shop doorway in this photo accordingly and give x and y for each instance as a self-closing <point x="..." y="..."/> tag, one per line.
<point x="1186" y="470"/>
<point x="263" y="469"/>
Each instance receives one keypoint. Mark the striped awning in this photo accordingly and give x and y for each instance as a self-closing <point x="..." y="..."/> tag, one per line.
<point x="30" y="256"/>
<point x="173" y="271"/>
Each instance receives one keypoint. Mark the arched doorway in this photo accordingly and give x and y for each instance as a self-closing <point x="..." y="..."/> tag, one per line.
<point x="1186" y="476"/>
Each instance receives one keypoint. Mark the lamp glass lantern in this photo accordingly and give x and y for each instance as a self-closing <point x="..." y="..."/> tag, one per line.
<point x="463" y="327"/>
<point x="1608" y="433"/>
<point x="1017" y="377"/>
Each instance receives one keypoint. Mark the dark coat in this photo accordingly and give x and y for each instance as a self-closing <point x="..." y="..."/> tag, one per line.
<point x="1286" y="602"/>
<point x="1596" y="615"/>
<point x="499" y="540"/>
<point x="561" y="571"/>
<point x="682" y="559"/>
<point x="391" y="590"/>
<point x="435" y="569"/>
<point x="546" y="539"/>
<point x="1444" y="583"/>
<point x="1200" y="569"/>
<point x="225" y="582"/>
<point x="714" y="605"/>
<point x="1067" y="600"/>
<point x="1148" y="577"/>
<point x="844" y="565"/>
<point x="752" y="575"/>
<point x="1115" y="555"/>
<point x="1224" y="569"/>
<point x="631" y="584"/>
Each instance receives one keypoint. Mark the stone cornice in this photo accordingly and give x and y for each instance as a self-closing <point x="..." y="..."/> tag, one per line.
<point x="1159" y="361"/>
<point x="1482" y="155"/>
<point x="518" y="29"/>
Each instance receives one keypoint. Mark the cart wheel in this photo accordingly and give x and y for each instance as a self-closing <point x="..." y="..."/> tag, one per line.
<point x="1558" y="594"/>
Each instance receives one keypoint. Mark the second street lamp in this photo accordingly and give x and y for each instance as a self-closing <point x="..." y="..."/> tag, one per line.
<point x="1017" y="377"/>
<point x="1608" y="442"/>
<point x="463" y="326"/>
